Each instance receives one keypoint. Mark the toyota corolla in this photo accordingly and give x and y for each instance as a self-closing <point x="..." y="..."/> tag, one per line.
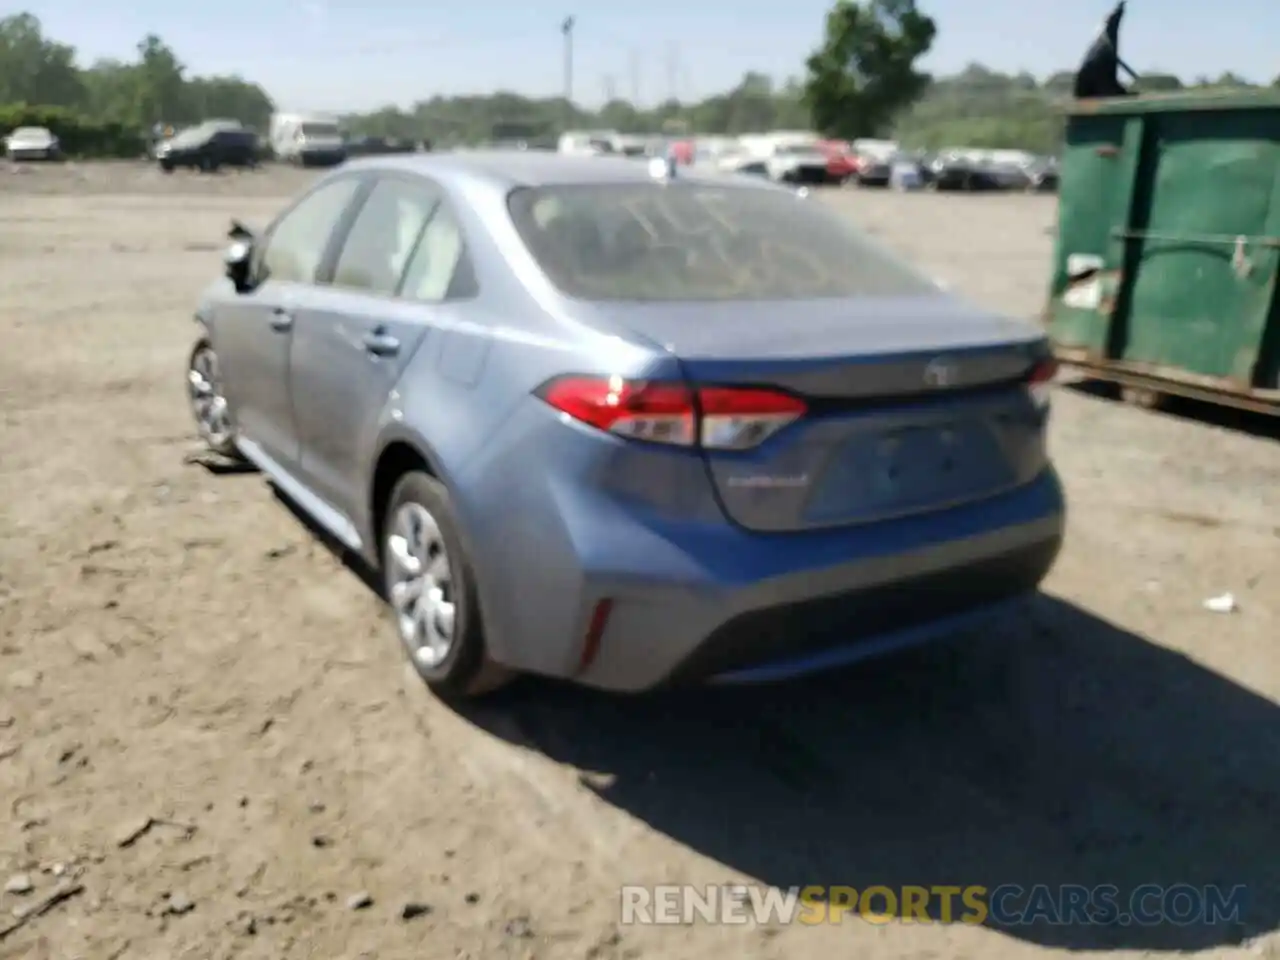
<point x="626" y="424"/>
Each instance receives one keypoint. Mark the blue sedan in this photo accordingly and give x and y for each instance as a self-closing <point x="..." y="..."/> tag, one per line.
<point x="604" y="420"/>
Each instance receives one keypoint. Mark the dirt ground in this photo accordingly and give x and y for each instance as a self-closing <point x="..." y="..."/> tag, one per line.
<point x="208" y="742"/>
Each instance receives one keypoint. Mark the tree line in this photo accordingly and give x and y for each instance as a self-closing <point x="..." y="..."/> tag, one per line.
<point x="107" y="108"/>
<point x="862" y="79"/>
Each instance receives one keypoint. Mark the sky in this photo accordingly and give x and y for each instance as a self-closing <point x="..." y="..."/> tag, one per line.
<point x="359" y="54"/>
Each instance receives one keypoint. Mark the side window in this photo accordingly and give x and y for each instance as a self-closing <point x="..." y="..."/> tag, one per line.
<point x="298" y="241"/>
<point x="440" y="268"/>
<point x="378" y="246"/>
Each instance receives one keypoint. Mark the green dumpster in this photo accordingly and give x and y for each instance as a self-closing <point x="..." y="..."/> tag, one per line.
<point x="1168" y="245"/>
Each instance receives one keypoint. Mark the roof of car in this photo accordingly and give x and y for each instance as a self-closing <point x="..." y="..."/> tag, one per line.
<point x="529" y="168"/>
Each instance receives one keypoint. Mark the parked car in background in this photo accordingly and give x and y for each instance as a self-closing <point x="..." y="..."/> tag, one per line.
<point x="307" y="139"/>
<point x="592" y="143"/>
<point x="906" y="174"/>
<point x="160" y="132"/>
<point x="209" y="147"/>
<point x="1008" y="176"/>
<point x="743" y="163"/>
<point x="684" y="151"/>
<point x="665" y="428"/>
<point x="955" y="174"/>
<point x="790" y="157"/>
<point x="32" y="143"/>
<point x="842" y="162"/>
<point x="873" y="171"/>
<point x="1043" y="176"/>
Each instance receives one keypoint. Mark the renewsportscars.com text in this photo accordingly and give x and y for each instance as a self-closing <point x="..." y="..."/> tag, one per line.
<point x="1007" y="905"/>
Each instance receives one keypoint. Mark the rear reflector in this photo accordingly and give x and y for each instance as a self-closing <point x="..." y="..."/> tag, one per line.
<point x="720" y="418"/>
<point x="596" y="627"/>
<point x="1039" y="380"/>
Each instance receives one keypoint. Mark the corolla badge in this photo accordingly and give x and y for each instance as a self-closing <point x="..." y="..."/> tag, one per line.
<point x="940" y="372"/>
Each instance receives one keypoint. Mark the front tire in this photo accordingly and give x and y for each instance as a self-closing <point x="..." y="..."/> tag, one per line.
<point x="430" y="587"/>
<point x="209" y="402"/>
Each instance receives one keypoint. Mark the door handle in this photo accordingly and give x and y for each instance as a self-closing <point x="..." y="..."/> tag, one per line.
<point x="381" y="344"/>
<point x="281" y="320"/>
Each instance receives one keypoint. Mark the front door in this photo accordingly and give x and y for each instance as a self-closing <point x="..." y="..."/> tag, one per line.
<point x="254" y="331"/>
<point x="354" y="338"/>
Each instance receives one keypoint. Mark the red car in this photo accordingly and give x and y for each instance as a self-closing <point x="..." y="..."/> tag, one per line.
<point x="683" y="151"/>
<point x="842" y="162"/>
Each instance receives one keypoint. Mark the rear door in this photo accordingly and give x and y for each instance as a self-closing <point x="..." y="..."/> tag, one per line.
<point x="356" y="333"/>
<point x="913" y="404"/>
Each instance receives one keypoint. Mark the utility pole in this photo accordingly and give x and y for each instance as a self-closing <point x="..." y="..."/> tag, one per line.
<point x="566" y="30"/>
<point x="610" y="88"/>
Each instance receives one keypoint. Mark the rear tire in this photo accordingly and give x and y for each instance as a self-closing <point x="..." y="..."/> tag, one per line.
<point x="430" y="587"/>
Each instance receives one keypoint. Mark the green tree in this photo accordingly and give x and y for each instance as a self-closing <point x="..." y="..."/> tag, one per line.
<point x="227" y="98"/>
<point x="162" y="88"/>
<point x="35" y="69"/>
<point x="864" y="73"/>
<point x="1156" y="82"/>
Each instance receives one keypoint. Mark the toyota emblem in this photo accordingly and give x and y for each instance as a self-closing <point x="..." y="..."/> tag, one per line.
<point x="940" y="372"/>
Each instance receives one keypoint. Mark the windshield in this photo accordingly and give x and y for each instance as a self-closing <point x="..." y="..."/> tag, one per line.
<point x="697" y="242"/>
<point x="318" y="131"/>
<point x="189" y="137"/>
<point x="30" y="133"/>
<point x="792" y="149"/>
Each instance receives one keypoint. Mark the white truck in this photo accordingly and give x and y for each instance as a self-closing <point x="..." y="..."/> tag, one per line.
<point x="590" y="143"/>
<point x="307" y="139"/>
<point x="789" y="156"/>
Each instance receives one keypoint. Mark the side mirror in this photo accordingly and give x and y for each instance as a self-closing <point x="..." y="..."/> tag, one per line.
<point x="238" y="256"/>
<point x="236" y="262"/>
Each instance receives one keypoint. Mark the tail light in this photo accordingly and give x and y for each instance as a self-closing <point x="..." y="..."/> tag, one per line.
<point x="1039" y="380"/>
<point x="719" y="418"/>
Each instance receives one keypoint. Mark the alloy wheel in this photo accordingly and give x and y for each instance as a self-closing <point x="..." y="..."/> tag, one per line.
<point x="421" y="587"/>
<point x="208" y="405"/>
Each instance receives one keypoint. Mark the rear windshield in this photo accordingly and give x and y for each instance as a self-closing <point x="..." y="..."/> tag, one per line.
<point x="699" y="242"/>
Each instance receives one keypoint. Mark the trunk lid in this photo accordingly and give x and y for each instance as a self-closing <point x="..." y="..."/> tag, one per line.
<point x="915" y="403"/>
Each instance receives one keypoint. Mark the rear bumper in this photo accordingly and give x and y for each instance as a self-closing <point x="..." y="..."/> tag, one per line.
<point x="827" y="611"/>
<point x="40" y="153"/>
<point x="697" y="599"/>
<point x="871" y="616"/>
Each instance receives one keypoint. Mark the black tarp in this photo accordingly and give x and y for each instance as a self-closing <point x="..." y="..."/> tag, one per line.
<point x="1098" y="74"/>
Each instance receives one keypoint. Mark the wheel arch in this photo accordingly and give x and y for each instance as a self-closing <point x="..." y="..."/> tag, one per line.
<point x="400" y="451"/>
